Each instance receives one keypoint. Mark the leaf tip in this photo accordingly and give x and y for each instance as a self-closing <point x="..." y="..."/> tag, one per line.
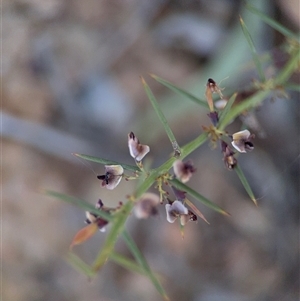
<point x="166" y="298"/>
<point x="225" y="213"/>
<point x="143" y="81"/>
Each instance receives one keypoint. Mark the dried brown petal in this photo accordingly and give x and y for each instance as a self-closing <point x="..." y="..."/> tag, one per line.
<point x="84" y="234"/>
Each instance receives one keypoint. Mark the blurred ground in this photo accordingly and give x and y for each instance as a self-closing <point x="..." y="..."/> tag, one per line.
<point x="70" y="83"/>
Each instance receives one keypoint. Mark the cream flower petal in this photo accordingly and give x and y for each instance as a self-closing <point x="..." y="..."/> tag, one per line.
<point x="137" y="151"/>
<point x="175" y="210"/>
<point x="184" y="219"/>
<point x="113" y="182"/>
<point x="116" y="170"/>
<point x="170" y="217"/>
<point x="183" y="171"/>
<point x="242" y="141"/>
<point x="144" y="150"/>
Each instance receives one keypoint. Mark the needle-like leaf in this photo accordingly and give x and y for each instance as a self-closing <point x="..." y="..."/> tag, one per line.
<point x="277" y="26"/>
<point x="162" y="118"/>
<point x="245" y="183"/>
<point x="126" y="263"/>
<point x="225" y="111"/>
<point x="80" y="265"/>
<point x="253" y="51"/>
<point x="180" y="91"/>
<point x="80" y="203"/>
<point x="143" y="263"/>
<point x="198" y="196"/>
<point x="107" y="162"/>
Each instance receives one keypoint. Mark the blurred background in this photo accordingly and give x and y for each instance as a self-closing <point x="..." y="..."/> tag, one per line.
<point x="70" y="83"/>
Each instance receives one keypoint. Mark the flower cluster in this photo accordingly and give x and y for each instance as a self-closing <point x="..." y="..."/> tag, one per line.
<point x="179" y="208"/>
<point x="147" y="205"/>
<point x="241" y="141"/>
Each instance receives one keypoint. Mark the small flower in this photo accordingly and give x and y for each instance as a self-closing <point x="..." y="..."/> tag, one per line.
<point x="175" y="210"/>
<point x="242" y="141"/>
<point x="183" y="171"/>
<point x="147" y="205"/>
<point x="228" y="158"/>
<point x="137" y="151"/>
<point x="92" y="218"/>
<point x="112" y="177"/>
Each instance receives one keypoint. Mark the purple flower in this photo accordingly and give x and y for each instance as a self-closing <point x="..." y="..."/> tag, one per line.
<point x="92" y="218"/>
<point x="175" y="210"/>
<point x="112" y="177"/>
<point x="242" y="141"/>
<point x="183" y="171"/>
<point x="178" y="210"/>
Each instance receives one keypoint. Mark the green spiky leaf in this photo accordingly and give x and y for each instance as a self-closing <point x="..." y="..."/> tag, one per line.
<point x="107" y="162"/>
<point x="143" y="264"/>
<point x="162" y="118"/>
<point x="180" y="91"/>
<point x="253" y="51"/>
<point x="198" y="196"/>
<point x="245" y="183"/>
